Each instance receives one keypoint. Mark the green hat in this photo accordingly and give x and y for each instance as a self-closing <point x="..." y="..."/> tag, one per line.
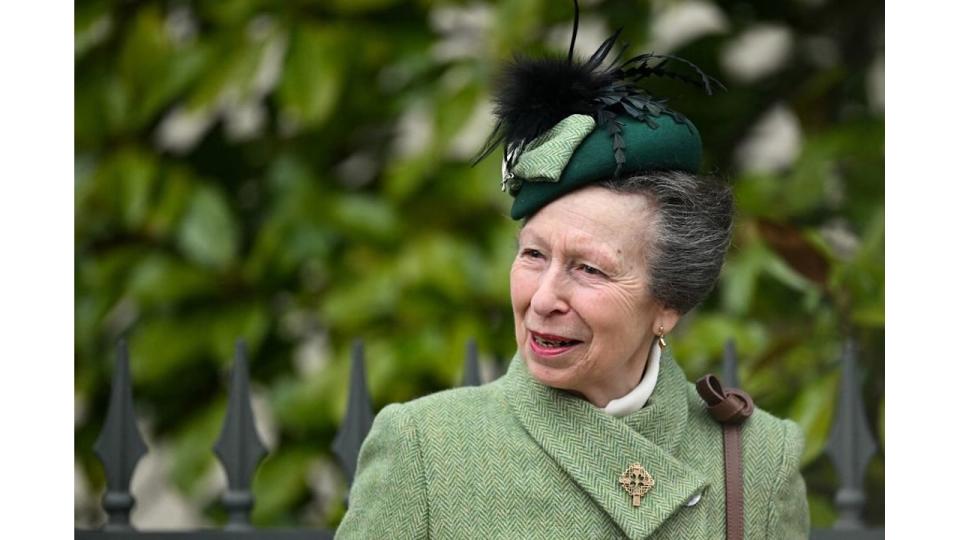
<point x="565" y="124"/>
<point x="671" y="145"/>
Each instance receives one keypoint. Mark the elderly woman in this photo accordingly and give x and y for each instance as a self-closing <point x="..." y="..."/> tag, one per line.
<point x="594" y="431"/>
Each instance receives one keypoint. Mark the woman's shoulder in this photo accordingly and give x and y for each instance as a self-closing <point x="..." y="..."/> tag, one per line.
<point x="468" y="407"/>
<point x="762" y="427"/>
<point x="767" y="432"/>
<point x="772" y="446"/>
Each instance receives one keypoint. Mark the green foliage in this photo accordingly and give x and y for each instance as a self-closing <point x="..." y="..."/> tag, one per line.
<point x="313" y="79"/>
<point x="296" y="174"/>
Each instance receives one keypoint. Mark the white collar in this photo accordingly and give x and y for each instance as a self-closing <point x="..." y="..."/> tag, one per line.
<point x="637" y="398"/>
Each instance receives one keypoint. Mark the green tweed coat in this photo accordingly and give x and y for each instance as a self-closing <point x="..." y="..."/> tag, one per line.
<point x="515" y="459"/>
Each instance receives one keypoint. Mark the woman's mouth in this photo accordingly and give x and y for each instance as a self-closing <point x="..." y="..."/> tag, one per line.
<point x="551" y="345"/>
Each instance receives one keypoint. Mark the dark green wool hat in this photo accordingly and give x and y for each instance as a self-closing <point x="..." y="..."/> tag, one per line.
<point x="565" y="124"/>
<point x="672" y="145"/>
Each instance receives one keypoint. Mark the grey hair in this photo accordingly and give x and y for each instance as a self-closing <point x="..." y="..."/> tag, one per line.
<point x="693" y="228"/>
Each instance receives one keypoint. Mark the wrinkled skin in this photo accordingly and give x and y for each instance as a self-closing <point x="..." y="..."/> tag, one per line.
<point x="580" y="276"/>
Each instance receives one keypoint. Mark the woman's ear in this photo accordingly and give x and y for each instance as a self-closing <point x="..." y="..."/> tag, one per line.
<point x="667" y="319"/>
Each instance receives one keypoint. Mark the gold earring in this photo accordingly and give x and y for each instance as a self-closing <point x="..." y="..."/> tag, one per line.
<point x="663" y="344"/>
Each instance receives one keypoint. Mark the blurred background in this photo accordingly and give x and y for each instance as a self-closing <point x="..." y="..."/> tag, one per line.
<point x="296" y="173"/>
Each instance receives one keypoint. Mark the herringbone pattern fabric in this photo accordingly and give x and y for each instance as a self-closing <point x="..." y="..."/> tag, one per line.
<point x="514" y="459"/>
<point x="546" y="157"/>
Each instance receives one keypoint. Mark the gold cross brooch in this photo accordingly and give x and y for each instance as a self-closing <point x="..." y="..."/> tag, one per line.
<point x="637" y="481"/>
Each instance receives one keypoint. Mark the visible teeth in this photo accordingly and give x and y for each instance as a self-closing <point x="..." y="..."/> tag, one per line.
<point x="551" y="343"/>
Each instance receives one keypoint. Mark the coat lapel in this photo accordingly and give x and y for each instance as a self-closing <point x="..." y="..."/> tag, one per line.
<point x="595" y="448"/>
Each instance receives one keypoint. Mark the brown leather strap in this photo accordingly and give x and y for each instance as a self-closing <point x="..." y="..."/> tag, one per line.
<point x="730" y="407"/>
<point x="725" y="405"/>
<point x="733" y="485"/>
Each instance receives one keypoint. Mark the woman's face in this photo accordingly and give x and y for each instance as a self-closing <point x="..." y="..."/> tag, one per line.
<point x="583" y="316"/>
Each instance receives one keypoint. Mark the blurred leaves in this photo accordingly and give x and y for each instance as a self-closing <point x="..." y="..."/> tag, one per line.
<point x="280" y="483"/>
<point x="813" y="409"/>
<point x="208" y="233"/>
<point x="313" y="77"/>
<point x="296" y="174"/>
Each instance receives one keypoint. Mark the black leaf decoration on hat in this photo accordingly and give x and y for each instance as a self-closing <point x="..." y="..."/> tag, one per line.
<point x="531" y="95"/>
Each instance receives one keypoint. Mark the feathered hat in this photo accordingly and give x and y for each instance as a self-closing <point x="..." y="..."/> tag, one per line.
<point x="565" y="123"/>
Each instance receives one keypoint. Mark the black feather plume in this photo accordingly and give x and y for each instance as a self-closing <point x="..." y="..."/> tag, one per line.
<point x="532" y="95"/>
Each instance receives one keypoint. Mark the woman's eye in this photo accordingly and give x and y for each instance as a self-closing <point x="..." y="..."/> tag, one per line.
<point x="532" y="253"/>
<point x="591" y="270"/>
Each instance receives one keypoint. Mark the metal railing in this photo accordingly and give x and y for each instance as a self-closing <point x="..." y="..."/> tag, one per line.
<point x="240" y="450"/>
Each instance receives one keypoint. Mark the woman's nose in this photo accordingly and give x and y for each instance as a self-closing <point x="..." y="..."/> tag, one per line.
<point x="551" y="295"/>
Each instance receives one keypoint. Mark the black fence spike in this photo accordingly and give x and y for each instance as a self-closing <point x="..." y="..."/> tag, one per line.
<point x="851" y="445"/>
<point x="471" y="366"/>
<point x="239" y="447"/>
<point x="119" y="445"/>
<point x="358" y="419"/>
<point x="730" y="364"/>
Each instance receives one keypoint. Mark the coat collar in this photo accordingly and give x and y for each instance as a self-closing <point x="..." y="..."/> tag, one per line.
<point x="595" y="448"/>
